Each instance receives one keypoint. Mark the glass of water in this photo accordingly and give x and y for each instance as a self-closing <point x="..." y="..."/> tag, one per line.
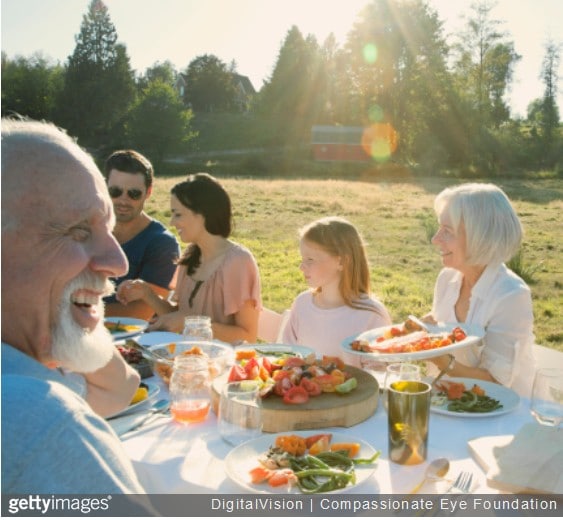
<point x="547" y="396"/>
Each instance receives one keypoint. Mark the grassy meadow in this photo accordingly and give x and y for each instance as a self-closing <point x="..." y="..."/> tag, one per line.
<point x="396" y="220"/>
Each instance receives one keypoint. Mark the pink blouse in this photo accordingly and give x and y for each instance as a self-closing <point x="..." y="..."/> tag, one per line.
<point x="235" y="280"/>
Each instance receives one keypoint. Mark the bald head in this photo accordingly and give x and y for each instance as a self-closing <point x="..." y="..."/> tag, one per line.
<point x="36" y="159"/>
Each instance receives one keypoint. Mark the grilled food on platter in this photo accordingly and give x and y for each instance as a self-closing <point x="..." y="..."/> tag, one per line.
<point x="405" y="339"/>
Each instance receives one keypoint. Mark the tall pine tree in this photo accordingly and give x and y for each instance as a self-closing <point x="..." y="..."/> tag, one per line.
<point x="99" y="83"/>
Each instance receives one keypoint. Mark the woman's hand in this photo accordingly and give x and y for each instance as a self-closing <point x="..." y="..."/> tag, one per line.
<point x="172" y="322"/>
<point x="132" y="290"/>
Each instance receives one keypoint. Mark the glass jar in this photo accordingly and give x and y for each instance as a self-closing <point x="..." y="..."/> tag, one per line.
<point x="197" y="328"/>
<point x="190" y="393"/>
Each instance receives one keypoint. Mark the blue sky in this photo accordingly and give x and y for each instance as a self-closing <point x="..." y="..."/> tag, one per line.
<point x="251" y="32"/>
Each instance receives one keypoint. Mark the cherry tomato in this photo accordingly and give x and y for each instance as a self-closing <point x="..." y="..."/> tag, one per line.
<point x="312" y="387"/>
<point x="237" y="373"/>
<point x="296" y="395"/>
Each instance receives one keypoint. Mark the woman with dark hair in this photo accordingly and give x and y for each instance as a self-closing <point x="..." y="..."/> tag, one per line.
<point x="216" y="277"/>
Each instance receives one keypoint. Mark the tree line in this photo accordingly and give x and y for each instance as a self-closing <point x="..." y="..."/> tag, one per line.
<point x="445" y="102"/>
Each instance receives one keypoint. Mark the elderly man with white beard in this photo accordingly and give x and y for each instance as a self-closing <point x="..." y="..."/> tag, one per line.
<point x="58" y="253"/>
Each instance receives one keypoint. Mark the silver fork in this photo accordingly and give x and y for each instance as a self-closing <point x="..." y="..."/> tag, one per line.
<point x="462" y="483"/>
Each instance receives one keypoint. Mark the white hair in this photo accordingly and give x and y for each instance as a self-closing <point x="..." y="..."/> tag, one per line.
<point x="492" y="228"/>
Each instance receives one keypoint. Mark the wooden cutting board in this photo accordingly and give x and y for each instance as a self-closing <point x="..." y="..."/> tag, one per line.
<point x="528" y="462"/>
<point x="322" y="411"/>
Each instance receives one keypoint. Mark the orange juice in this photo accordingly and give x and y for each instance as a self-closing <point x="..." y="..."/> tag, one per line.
<point x="194" y="410"/>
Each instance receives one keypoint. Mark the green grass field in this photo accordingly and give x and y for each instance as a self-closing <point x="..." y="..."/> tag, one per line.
<point x="396" y="220"/>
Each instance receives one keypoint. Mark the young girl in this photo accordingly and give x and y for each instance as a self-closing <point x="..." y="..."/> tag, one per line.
<point x="339" y="304"/>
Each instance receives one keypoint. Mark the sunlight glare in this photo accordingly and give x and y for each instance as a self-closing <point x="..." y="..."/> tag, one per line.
<point x="370" y="53"/>
<point x="379" y="141"/>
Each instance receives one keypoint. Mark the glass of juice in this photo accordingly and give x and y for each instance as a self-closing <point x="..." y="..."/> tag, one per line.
<point x="190" y="396"/>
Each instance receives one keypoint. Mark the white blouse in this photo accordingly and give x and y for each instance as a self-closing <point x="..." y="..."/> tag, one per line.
<point x="501" y="303"/>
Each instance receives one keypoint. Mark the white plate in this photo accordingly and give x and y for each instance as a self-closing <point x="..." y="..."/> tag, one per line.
<point x="142" y="324"/>
<point x="474" y="333"/>
<point x="506" y="396"/>
<point x="276" y="349"/>
<point x="243" y="458"/>
<point x="153" y="389"/>
<point x="148" y="339"/>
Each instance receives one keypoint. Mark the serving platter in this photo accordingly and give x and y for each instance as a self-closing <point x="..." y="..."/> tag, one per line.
<point x="135" y="326"/>
<point x="322" y="411"/>
<point x="244" y="457"/>
<point x="506" y="396"/>
<point x="474" y="336"/>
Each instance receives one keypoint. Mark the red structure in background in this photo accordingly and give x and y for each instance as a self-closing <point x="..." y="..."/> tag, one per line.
<point x="338" y="143"/>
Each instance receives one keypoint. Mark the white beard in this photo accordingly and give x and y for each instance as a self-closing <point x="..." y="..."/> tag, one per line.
<point x="75" y="348"/>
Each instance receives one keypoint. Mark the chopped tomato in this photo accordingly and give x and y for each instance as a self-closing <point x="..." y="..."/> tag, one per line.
<point x="396" y="331"/>
<point x="323" y="444"/>
<point x="267" y="364"/>
<point x="237" y="373"/>
<point x="453" y="390"/>
<point x="260" y="474"/>
<point x="459" y="334"/>
<point x="352" y="448"/>
<point x="312" y="387"/>
<point x="252" y="368"/>
<point x="296" y="395"/>
<point x="281" y="386"/>
<point x="312" y="439"/>
<point x="278" y="375"/>
<point x="293" y="362"/>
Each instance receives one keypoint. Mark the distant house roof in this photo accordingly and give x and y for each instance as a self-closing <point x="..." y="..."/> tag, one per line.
<point x="336" y="134"/>
<point x="245" y="83"/>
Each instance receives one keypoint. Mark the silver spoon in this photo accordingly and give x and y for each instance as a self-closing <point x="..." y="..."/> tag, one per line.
<point x="436" y="470"/>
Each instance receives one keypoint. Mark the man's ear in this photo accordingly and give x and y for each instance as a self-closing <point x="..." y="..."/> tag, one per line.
<point x="149" y="192"/>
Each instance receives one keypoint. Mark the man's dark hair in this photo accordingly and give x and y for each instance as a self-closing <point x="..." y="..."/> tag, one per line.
<point x="129" y="161"/>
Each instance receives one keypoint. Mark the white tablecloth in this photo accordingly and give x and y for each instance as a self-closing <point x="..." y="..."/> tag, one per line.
<point x="174" y="458"/>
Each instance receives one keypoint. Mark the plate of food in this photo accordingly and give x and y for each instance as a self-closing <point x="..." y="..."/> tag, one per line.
<point x="261" y="465"/>
<point x="121" y="328"/>
<point x="459" y="396"/>
<point x="407" y="341"/>
<point x="144" y="394"/>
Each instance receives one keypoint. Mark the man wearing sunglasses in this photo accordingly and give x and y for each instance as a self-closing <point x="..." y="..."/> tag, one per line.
<point x="151" y="249"/>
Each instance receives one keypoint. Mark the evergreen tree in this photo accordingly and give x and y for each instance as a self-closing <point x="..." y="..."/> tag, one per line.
<point x="99" y="83"/>
<point x="210" y="85"/>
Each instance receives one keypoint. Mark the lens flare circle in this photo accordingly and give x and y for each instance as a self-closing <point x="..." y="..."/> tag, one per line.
<point x="379" y="141"/>
<point x="369" y="53"/>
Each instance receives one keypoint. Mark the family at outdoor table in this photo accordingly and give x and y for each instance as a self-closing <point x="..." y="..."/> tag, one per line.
<point x="72" y="236"/>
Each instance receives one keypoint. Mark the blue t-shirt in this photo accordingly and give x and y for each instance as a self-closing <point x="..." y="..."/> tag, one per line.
<point x="152" y="256"/>
<point x="52" y="441"/>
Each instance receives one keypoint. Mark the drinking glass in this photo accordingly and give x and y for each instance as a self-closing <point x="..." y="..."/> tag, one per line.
<point x="197" y="328"/>
<point x="190" y="395"/>
<point x="408" y="420"/>
<point x="399" y="372"/>
<point x="547" y="396"/>
<point x="240" y="412"/>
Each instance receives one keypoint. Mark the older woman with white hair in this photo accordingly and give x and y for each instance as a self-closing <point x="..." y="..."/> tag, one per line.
<point x="478" y="232"/>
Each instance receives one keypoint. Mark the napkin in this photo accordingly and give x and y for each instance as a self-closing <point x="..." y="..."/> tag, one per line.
<point x="528" y="462"/>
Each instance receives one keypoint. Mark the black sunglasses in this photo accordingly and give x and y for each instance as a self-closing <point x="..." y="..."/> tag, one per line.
<point x="116" y="192"/>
